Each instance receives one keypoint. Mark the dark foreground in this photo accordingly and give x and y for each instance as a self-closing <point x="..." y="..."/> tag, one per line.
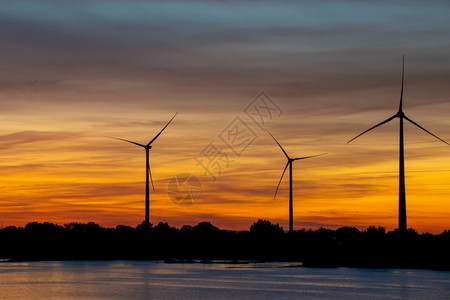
<point x="344" y="247"/>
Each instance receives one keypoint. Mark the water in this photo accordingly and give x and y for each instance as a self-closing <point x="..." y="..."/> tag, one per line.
<point x="157" y="280"/>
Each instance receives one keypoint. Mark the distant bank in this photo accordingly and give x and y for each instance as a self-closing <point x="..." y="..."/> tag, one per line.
<point x="264" y="242"/>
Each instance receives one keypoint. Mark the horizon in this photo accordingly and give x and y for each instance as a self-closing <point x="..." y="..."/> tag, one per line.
<point x="362" y="230"/>
<point x="75" y="73"/>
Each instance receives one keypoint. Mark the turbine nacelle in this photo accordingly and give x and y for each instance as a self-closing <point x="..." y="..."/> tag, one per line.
<point x="290" y="160"/>
<point x="400" y="114"/>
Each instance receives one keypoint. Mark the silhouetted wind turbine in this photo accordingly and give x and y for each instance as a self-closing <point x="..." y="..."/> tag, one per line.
<point x="148" y="171"/>
<point x="401" y="115"/>
<point x="289" y="163"/>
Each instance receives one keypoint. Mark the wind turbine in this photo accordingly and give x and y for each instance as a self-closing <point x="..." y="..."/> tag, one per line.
<point x="289" y="163"/>
<point x="401" y="115"/>
<point x="148" y="172"/>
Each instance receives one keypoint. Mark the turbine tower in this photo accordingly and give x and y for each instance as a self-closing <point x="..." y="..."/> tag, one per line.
<point x="148" y="172"/>
<point x="289" y="163"/>
<point x="401" y="189"/>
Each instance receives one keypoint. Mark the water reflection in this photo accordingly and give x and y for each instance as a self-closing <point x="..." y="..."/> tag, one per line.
<point x="156" y="280"/>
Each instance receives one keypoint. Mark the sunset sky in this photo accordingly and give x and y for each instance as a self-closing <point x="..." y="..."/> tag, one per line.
<point x="74" y="72"/>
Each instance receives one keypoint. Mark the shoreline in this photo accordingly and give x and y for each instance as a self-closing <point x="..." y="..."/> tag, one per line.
<point x="263" y="243"/>
<point x="232" y="264"/>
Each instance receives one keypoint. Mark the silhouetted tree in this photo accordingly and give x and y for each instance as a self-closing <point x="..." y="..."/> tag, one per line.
<point x="445" y="235"/>
<point x="124" y="228"/>
<point x="11" y="229"/>
<point x="374" y="230"/>
<point x="348" y="234"/>
<point x="82" y="227"/>
<point x="144" y="226"/>
<point x="42" y="227"/>
<point x="205" y="227"/>
<point x="186" y="228"/>
<point x="265" y="227"/>
<point x="346" y="246"/>
<point x="163" y="227"/>
<point x="324" y="234"/>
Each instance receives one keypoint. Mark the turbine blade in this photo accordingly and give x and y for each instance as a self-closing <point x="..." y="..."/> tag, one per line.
<point x="298" y="158"/>
<point x="150" y="174"/>
<point x="278" y="144"/>
<point x="111" y="137"/>
<point x="279" y="182"/>
<point x="379" y="124"/>
<point x="400" y="108"/>
<point x="425" y="129"/>
<point x="149" y="143"/>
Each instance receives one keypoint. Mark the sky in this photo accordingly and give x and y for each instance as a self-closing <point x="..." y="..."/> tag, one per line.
<point x="314" y="74"/>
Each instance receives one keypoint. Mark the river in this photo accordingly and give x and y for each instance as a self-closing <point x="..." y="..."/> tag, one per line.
<point x="158" y="280"/>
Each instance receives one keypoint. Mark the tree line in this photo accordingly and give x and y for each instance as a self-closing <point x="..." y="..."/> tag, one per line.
<point x="264" y="241"/>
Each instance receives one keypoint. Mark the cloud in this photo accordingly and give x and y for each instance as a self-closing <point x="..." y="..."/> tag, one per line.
<point x="28" y="137"/>
<point x="288" y="48"/>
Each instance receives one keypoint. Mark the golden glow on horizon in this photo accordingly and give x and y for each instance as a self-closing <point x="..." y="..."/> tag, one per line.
<point x="67" y="179"/>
